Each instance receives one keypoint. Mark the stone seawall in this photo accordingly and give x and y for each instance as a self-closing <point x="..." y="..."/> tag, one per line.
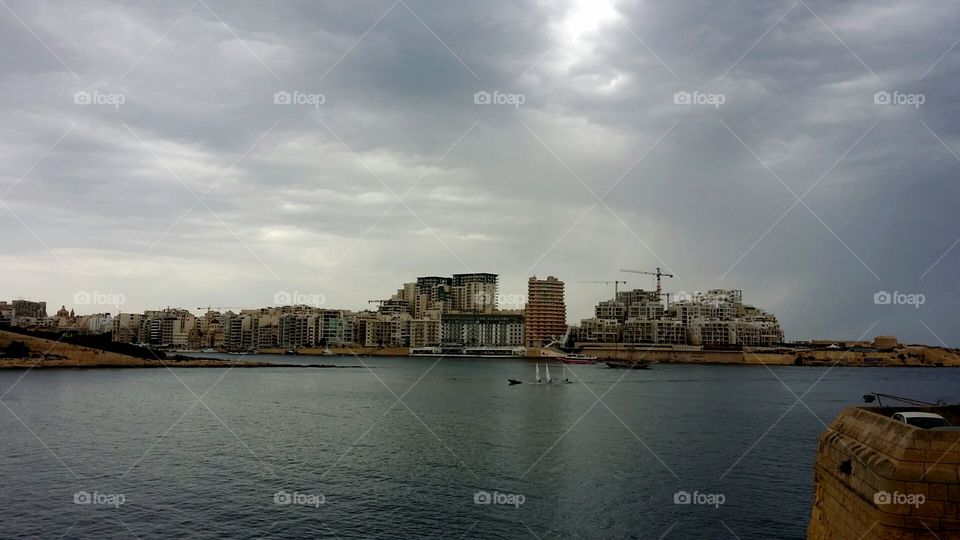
<point x="904" y="357"/>
<point x="877" y="478"/>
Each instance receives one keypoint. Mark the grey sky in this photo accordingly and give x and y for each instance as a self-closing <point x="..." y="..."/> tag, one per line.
<point x="99" y="198"/>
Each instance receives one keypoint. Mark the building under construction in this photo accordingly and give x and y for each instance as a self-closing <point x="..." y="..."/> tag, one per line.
<point x="713" y="319"/>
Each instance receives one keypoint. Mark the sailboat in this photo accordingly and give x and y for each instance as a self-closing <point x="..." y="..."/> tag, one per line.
<point x="546" y="367"/>
<point x="538" y="372"/>
<point x="565" y="379"/>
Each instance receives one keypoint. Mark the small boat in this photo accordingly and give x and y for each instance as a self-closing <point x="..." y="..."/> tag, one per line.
<point x="620" y="364"/>
<point x="512" y="382"/>
<point x="577" y="359"/>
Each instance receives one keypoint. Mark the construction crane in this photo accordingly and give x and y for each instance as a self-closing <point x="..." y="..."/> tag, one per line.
<point x="658" y="273"/>
<point x="615" y="282"/>
<point x="211" y="308"/>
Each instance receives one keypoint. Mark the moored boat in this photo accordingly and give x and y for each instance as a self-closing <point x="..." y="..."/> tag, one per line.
<point x="620" y="364"/>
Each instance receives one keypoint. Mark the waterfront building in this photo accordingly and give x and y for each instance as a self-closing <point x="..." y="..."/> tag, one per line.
<point x="293" y="331"/>
<point x="337" y="328"/>
<point x="716" y="318"/>
<point x="379" y="330"/>
<point x="425" y="332"/>
<point x="500" y="329"/>
<point x="546" y="312"/>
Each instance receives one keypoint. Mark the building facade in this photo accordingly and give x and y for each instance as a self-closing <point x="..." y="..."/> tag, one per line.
<point x="713" y="319"/>
<point x="483" y="329"/>
<point x="546" y="312"/>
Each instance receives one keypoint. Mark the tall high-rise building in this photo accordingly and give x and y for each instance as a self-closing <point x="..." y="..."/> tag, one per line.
<point x="546" y="312"/>
<point x="475" y="292"/>
<point x="431" y="293"/>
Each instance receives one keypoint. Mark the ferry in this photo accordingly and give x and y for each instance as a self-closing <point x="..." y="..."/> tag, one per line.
<point x="577" y="359"/>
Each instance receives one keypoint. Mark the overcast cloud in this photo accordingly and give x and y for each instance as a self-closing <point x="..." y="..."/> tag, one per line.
<point x="297" y="197"/>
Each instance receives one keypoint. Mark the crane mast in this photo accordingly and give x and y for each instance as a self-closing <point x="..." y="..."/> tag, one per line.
<point x="658" y="273"/>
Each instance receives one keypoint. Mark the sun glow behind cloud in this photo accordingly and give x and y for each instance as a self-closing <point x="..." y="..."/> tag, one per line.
<point x="584" y="17"/>
<point x="578" y="31"/>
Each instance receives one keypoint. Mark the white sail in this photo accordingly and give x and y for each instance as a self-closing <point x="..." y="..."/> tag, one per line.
<point x="546" y="367"/>
<point x="538" y="372"/>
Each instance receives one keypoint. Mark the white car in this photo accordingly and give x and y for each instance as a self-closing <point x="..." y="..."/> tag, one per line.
<point x="922" y="420"/>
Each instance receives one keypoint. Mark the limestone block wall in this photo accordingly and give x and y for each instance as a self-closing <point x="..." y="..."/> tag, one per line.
<point x="877" y="478"/>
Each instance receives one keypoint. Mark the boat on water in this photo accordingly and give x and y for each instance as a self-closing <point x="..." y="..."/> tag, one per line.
<point x="538" y="379"/>
<point x="620" y="364"/>
<point x="577" y="359"/>
<point x="565" y="380"/>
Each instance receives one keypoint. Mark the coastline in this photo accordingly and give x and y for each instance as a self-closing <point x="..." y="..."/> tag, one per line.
<point x="49" y="354"/>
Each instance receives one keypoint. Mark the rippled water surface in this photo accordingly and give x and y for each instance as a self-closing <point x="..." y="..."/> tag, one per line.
<point x="400" y="450"/>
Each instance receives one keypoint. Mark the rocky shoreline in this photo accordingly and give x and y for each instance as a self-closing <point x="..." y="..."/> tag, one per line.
<point x="40" y="353"/>
<point x="27" y="364"/>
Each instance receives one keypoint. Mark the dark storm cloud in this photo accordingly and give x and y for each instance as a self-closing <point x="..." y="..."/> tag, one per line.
<point x="302" y="197"/>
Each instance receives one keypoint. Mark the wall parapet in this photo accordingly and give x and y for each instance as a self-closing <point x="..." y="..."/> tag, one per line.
<point x="878" y="478"/>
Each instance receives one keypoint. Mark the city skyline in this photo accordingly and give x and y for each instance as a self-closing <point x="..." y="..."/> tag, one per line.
<point x="434" y="314"/>
<point x="99" y="302"/>
<point x="806" y="155"/>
